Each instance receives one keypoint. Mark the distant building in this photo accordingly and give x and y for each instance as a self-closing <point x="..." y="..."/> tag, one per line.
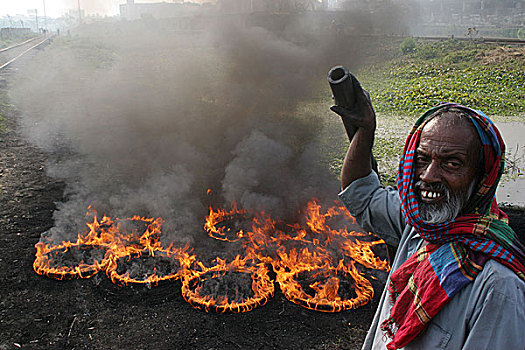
<point x="133" y="11"/>
<point x="473" y="6"/>
<point x="240" y="6"/>
<point x="483" y="18"/>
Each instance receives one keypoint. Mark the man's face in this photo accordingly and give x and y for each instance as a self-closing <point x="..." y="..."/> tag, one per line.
<point x="446" y="165"/>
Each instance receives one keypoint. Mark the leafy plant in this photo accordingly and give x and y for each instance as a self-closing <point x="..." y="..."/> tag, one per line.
<point x="437" y="72"/>
<point x="447" y="71"/>
<point x="408" y="46"/>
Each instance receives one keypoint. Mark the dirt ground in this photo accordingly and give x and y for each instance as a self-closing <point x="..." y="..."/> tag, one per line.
<point x="41" y="313"/>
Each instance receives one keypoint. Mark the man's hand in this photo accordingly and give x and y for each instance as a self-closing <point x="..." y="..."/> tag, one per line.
<point x="360" y="125"/>
<point x="362" y="115"/>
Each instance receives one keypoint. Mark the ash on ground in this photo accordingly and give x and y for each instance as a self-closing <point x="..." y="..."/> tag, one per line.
<point x="76" y="255"/>
<point x="142" y="267"/>
<point x="233" y="285"/>
<point x="346" y="284"/>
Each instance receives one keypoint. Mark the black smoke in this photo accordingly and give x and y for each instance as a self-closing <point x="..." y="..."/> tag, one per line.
<point x="144" y="119"/>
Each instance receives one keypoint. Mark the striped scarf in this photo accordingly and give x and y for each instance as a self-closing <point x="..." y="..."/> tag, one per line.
<point x="457" y="249"/>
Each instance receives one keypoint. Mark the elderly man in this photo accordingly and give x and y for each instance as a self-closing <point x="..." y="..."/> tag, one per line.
<point x="457" y="280"/>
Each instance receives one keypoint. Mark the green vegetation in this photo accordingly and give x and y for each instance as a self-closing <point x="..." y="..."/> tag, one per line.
<point x="5" y="42"/>
<point x="408" y="46"/>
<point x="2" y="119"/>
<point x="8" y="41"/>
<point x="486" y="77"/>
<point x="5" y="107"/>
<point x="92" y="54"/>
<point x="474" y="74"/>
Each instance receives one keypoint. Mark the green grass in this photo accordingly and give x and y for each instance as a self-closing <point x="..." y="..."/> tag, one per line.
<point x="2" y="125"/>
<point x="5" y="107"/>
<point x="430" y="73"/>
<point x="5" y="42"/>
<point x="425" y="74"/>
<point x="93" y="54"/>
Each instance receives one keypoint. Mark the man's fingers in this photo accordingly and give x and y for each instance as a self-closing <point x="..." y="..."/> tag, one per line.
<point x="358" y="117"/>
<point x="365" y="102"/>
<point x="366" y="94"/>
<point x="338" y="109"/>
<point x="349" y="115"/>
<point x="342" y="111"/>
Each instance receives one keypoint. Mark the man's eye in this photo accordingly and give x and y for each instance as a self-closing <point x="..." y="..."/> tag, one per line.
<point x="421" y="159"/>
<point x="453" y="164"/>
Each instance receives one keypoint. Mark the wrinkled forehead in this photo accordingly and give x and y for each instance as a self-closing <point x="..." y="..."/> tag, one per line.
<point x="450" y="118"/>
<point x="453" y="127"/>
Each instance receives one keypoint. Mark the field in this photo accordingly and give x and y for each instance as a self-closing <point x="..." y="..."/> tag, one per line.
<point x="485" y="77"/>
<point x="41" y="313"/>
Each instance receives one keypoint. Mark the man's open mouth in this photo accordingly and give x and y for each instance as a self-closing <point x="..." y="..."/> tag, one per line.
<point x="429" y="196"/>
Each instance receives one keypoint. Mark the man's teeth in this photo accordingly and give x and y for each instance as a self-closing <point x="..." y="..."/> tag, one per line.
<point x="430" y="194"/>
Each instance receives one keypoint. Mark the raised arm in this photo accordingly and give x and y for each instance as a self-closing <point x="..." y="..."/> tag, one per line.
<point x="358" y="159"/>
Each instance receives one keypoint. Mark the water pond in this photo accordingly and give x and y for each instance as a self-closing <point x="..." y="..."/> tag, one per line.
<point x="512" y="187"/>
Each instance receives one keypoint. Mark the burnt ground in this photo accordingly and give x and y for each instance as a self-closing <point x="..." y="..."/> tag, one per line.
<point x="41" y="313"/>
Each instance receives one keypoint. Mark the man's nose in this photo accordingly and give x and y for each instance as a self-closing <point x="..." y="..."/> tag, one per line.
<point x="431" y="173"/>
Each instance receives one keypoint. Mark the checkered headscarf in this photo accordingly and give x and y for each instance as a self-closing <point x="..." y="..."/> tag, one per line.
<point x="458" y="248"/>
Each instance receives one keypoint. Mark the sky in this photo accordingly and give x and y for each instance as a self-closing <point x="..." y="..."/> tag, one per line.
<point x="56" y="8"/>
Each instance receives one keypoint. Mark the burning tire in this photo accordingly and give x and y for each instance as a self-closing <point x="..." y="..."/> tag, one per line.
<point x="70" y="260"/>
<point x="327" y="288"/>
<point x="303" y="256"/>
<point x="228" y="225"/>
<point x="228" y="288"/>
<point x="146" y="267"/>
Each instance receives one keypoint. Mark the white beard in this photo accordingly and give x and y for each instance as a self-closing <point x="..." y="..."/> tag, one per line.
<point x="447" y="210"/>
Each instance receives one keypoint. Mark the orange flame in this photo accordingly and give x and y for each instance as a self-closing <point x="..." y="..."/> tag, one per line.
<point x="149" y="247"/>
<point x="319" y="263"/>
<point x="47" y="255"/>
<point x="316" y="252"/>
<point x="225" y="232"/>
<point x="170" y="256"/>
<point x="106" y="235"/>
<point x="323" y="293"/>
<point x="195" y="292"/>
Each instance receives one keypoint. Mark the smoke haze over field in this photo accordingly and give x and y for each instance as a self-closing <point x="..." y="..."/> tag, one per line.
<point x="146" y="124"/>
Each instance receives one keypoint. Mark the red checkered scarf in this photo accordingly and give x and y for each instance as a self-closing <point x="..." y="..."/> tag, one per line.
<point x="458" y="249"/>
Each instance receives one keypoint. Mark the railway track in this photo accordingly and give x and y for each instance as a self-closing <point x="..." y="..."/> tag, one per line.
<point x="12" y="53"/>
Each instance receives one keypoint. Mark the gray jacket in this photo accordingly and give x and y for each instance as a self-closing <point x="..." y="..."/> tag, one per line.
<point x="489" y="313"/>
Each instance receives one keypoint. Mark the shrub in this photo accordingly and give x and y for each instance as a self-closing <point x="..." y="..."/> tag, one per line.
<point x="408" y="46"/>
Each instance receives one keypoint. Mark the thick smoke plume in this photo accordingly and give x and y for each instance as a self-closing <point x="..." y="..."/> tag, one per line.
<point x="144" y="121"/>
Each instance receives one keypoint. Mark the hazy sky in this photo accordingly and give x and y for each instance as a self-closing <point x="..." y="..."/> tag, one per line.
<point x="56" y="8"/>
